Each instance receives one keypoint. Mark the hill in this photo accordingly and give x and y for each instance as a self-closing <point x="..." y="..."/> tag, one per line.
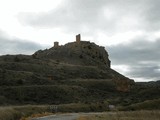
<point x="77" y="72"/>
<point x="79" y="66"/>
<point x="75" y="77"/>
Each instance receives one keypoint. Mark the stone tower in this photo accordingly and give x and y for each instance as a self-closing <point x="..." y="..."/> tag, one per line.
<point x="78" y="38"/>
<point x="56" y="44"/>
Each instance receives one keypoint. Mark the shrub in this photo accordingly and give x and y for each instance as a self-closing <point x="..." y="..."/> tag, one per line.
<point x="9" y="114"/>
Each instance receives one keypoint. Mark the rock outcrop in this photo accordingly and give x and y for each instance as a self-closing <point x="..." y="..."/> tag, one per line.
<point x="81" y="53"/>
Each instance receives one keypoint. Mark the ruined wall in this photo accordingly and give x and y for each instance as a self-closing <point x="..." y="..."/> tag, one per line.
<point x="56" y="44"/>
<point x="78" y="38"/>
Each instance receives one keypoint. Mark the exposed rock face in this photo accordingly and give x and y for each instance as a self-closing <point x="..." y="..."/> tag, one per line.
<point x="124" y="84"/>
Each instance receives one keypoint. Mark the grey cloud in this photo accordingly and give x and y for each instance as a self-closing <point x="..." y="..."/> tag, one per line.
<point x="70" y="16"/>
<point x="137" y="51"/>
<point x="75" y="15"/>
<point x="16" y="46"/>
<point x="151" y="15"/>
<point x="145" y="71"/>
<point x="86" y="17"/>
<point x="142" y="57"/>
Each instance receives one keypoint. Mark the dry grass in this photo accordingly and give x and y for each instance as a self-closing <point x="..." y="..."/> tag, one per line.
<point x="36" y="116"/>
<point x="30" y="111"/>
<point x="22" y="112"/>
<point x="136" y="115"/>
<point x="8" y="113"/>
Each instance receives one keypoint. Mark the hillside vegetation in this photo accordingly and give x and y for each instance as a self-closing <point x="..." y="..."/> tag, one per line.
<point x="136" y="115"/>
<point x="77" y="73"/>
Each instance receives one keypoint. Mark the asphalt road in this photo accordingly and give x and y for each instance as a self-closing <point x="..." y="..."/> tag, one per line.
<point x="69" y="116"/>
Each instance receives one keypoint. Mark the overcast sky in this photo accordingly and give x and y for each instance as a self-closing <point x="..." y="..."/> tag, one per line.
<point x="129" y="29"/>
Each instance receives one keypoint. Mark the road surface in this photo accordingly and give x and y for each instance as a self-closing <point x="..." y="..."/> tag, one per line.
<point x="67" y="116"/>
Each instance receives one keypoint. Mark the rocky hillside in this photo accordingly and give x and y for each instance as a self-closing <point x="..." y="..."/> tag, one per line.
<point x="79" y="65"/>
<point x="83" y="53"/>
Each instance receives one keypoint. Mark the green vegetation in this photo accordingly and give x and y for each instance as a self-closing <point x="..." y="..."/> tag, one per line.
<point x="59" y="76"/>
<point x="136" y="115"/>
<point x="146" y="105"/>
<point x="51" y="94"/>
<point x="75" y="78"/>
<point x="78" y="91"/>
<point x="81" y="107"/>
<point x="17" y="112"/>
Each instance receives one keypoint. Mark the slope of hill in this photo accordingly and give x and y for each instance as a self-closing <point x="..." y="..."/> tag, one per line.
<point x="76" y="72"/>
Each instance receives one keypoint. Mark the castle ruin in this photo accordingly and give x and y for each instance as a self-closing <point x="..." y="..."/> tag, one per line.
<point x="56" y="44"/>
<point x="78" y="38"/>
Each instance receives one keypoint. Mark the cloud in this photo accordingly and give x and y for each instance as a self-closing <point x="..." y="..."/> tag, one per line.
<point x="152" y="15"/>
<point x="16" y="46"/>
<point x="142" y="58"/>
<point x="117" y="21"/>
<point x="136" y="51"/>
<point x="147" y="72"/>
<point x="101" y="20"/>
<point x="90" y="16"/>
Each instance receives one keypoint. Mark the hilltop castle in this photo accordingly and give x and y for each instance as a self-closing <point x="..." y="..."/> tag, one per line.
<point x="78" y="40"/>
<point x="83" y="48"/>
<point x="78" y="53"/>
